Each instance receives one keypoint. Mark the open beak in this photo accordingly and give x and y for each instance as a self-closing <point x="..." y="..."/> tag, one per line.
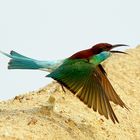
<point x="118" y="45"/>
<point x="113" y="51"/>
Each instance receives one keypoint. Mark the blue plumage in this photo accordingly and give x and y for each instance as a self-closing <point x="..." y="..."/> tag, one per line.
<point x="19" y="61"/>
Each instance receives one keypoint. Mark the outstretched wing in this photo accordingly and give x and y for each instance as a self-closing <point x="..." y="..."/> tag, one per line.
<point x="84" y="80"/>
<point x="109" y="90"/>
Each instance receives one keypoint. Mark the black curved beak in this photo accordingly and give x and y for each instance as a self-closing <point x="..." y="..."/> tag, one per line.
<point x="118" y="45"/>
<point x="113" y="51"/>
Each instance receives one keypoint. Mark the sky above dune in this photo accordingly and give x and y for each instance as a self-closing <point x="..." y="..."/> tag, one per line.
<point x="56" y="29"/>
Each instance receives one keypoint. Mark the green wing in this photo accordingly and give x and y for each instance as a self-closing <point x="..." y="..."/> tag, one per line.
<point x="84" y="80"/>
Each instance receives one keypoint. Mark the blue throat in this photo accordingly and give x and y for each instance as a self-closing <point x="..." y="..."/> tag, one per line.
<point x="97" y="59"/>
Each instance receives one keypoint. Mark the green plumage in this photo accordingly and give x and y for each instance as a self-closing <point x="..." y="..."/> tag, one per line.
<point x="73" y="68"/>
<point x="83" y="80"/>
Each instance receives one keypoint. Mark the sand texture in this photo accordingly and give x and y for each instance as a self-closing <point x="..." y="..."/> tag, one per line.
<point x="51" y="114"/>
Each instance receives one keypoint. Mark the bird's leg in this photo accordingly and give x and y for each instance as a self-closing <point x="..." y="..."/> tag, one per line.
<point x="62" y="88"/>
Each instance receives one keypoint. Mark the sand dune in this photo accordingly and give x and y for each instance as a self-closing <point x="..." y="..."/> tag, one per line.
<point x="51" y="114"/>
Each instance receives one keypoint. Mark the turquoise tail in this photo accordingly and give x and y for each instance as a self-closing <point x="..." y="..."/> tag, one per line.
<point x="19" y="61"/>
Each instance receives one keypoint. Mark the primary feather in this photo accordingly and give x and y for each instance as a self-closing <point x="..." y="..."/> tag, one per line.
<point x="84" y="80"/>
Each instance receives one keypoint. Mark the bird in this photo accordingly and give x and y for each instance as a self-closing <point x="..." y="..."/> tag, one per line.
<point x="82" y="73"/>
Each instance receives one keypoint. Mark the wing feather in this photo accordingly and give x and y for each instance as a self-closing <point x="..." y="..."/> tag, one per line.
<point x="109" y="90"/>
<point x="85" y="81"/>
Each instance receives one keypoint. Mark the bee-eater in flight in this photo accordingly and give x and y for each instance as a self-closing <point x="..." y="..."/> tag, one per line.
<point x="81" y="73"/>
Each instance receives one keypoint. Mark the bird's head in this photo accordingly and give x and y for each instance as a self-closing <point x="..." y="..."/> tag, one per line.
<point x="107" y="47"/>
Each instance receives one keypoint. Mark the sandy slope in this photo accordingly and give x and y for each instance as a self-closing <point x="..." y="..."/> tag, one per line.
<point x="51" y="114"/>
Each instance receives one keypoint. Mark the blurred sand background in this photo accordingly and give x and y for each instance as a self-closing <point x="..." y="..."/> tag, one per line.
<point x="51" y="114"/>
